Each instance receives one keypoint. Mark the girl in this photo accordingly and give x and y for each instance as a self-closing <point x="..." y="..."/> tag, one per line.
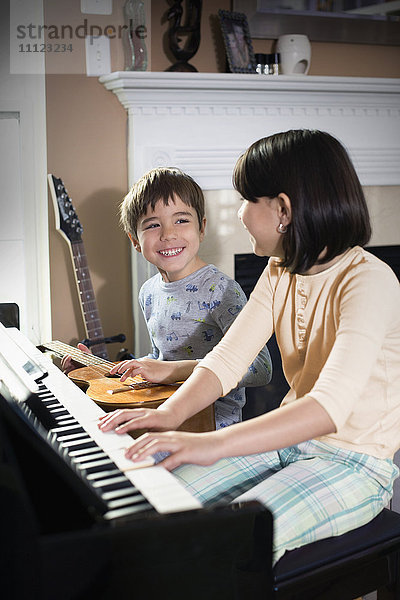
<point x="322" y="461"/>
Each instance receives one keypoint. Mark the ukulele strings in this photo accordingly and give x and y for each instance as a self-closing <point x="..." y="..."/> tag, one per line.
<point x="99" y="365"/>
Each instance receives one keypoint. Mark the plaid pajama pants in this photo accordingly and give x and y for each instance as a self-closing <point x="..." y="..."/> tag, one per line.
<point x="314" y="490"/>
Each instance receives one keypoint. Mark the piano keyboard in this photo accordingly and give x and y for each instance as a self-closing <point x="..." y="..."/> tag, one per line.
<point x="70" y="418"/>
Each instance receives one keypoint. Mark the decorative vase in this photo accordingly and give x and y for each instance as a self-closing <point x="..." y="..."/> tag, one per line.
<point x="295" y="51"/>
<point x="134" y="36"/>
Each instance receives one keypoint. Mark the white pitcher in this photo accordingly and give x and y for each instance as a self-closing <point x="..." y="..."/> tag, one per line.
<point x="295" y="51"/>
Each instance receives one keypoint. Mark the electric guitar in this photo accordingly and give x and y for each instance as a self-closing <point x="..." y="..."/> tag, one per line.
<point x="69" y="226"/>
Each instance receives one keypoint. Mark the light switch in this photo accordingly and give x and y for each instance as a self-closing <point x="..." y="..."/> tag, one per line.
<point x="96" y="7"/>
<point x="98" y="60"/>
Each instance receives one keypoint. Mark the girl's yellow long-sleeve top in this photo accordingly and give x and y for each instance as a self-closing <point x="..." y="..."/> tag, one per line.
<point x="338" y="332"/>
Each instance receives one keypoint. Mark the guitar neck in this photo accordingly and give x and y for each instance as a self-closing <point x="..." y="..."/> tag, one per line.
<point x="68" y="224"/>
<point x="87" y="299"/>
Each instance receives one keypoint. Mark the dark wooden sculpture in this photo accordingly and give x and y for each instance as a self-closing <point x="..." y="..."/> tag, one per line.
<point x="184" y="39"/>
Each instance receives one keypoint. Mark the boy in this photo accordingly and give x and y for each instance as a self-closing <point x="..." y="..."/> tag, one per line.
<point x="189" y="305"/>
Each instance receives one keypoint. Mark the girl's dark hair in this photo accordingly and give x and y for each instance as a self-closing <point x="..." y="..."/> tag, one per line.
<point x="328" y="205"/>
<point x="163" y="184"/>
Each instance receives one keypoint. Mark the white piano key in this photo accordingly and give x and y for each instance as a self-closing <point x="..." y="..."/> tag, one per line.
<point x="125" y="464"/>
<point x="73" y="443"/>
<point x="159" y="486"/>
<point x="120" y="493"/>
<point x="83" y="454"/>
<point x="93" y="464"/>
<point x="101" y="474"/>
<point x="71" y="436"/>
<point x="124" y="512"/>
<point x="123" y="502"/>
<point x="58" y="430"/>
<point x="109" y="481"/>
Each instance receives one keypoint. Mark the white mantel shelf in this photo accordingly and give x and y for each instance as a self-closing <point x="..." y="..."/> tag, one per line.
<point x="202" y="122"/>
<point x="124" y="83"/>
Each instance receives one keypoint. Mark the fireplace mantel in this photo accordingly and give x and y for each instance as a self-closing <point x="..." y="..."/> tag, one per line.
<point x="202" y="122"/>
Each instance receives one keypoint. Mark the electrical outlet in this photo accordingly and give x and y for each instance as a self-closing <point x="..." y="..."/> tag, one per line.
<point x="98" y="61"/>
<point x="96" y="7"/>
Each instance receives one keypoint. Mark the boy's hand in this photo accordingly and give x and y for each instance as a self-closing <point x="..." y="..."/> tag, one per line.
<point x="68" y="364"/>
<point x="155" y="371"/>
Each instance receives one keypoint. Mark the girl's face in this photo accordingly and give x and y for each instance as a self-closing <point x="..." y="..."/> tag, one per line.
<point x="169" y="238"/>
<point x="262" y="219"/>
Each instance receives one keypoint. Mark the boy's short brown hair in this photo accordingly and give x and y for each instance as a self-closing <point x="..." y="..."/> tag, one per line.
<point x="163" y="184"/>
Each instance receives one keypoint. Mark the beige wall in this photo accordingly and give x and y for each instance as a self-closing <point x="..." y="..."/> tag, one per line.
<point x="86" y="136"/>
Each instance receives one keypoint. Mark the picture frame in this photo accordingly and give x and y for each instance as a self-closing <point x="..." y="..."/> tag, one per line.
<point x="237" y="41"/>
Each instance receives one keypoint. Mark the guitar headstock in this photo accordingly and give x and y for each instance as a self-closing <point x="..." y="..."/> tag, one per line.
<point x="67" y="222"/>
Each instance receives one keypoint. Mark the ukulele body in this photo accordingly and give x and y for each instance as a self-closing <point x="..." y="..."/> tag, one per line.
<point x="97" y="387"/>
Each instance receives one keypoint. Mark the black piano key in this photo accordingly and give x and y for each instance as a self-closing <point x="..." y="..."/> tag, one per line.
<point x="41" y="413"/>
<point x="60" y="412"/>
<point x="64" y="420"/>
<point x="98" y="466"/>
<point x="117" y="481"/>
<point x="112" y="483"/>
<point x="61" y="433"/>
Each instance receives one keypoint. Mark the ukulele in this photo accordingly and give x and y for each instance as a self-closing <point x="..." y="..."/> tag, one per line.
<point x="135" y="392"/>
<point x="107" y="391"/>
<point x="69" y="226"/>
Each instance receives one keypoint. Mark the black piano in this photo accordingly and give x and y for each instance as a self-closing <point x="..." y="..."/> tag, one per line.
<point x="79" y="521"/>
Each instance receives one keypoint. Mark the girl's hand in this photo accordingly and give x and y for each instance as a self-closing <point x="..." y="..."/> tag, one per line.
<point x="155" y="371"/>
<point x="125" y="420"/>
<point x="183" y="447"/>
<point x="68" y="364"/>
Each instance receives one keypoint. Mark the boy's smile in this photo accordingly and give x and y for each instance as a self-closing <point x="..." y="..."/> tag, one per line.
<point x="169" y="237"/>
<point x="172" y="252"/>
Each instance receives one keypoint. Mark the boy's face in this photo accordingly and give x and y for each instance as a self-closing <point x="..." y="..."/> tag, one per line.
<point x="169" y="238"/>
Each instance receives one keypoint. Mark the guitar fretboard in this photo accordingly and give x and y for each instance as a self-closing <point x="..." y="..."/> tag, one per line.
<point x="87" y="299"/>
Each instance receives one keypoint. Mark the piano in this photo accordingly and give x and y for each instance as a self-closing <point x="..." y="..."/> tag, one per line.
<point x="78" y="519"/>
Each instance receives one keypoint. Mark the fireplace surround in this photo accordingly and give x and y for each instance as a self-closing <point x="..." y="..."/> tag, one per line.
<point x="202" y="122"/>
